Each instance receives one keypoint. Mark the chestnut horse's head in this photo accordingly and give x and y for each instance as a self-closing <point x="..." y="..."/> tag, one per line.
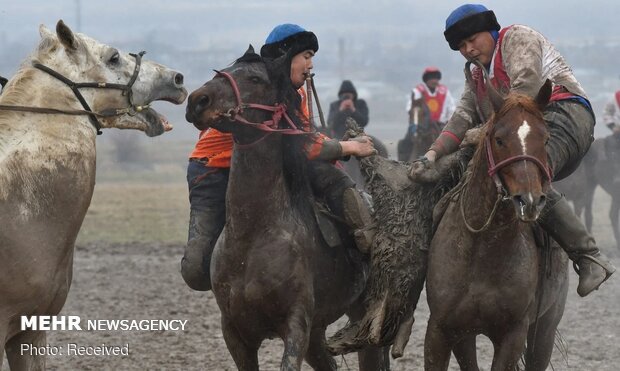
<point x="515" y="149"/>
<point x="253" y="93"/>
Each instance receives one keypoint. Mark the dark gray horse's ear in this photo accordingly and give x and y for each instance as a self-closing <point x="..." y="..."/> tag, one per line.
<point x="280" y="65"/>
<point x="65" y="35"/>
<point x="250" y="50"/>
<point x="544" y="95"/>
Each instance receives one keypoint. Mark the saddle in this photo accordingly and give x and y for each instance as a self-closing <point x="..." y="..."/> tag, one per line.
<point x="330" y="225"/>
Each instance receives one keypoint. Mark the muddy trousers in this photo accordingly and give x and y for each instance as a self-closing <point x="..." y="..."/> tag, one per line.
<point x="571" y="127"/>
<point x="343" y="199"/>
<point x="207" y="195"/>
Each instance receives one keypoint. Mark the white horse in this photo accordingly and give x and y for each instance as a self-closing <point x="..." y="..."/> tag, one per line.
<point x="50" y="113"/>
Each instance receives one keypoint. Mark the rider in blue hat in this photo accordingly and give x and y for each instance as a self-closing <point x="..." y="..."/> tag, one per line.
<point x="328" y="181"/>
<point x="519" y="59"/>
<point x="209" y="165"/>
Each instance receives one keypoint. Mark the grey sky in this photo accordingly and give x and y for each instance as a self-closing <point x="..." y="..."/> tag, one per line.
<point x="399" y="27"/>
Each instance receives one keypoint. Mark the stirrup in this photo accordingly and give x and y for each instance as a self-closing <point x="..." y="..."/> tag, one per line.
<point x="607" y="268"/>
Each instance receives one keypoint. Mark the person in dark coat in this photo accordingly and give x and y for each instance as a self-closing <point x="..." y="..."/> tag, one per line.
<point x="347" y="105"/>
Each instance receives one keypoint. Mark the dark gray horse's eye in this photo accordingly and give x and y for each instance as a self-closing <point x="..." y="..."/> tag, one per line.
<point x="255" y="79"/>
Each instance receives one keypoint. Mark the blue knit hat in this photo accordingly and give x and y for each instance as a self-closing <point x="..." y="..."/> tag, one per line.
<point x="467" y="20"/>
<point x="286" y="38"/>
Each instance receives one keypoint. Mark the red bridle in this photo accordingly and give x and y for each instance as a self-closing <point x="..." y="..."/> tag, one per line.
<point x="495" y="168"/>
<point x="270" y="126"/>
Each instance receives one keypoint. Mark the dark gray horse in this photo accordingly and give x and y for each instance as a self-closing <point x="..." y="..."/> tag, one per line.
<point x="273" y="274"/>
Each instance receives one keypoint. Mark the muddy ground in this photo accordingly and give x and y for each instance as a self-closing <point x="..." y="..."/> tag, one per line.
<point x="119" y="280"/>
<point x="143" y="282"/>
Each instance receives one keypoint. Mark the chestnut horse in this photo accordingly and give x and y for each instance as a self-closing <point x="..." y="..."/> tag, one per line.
<point x="273" y="275"/>
<point x="486" y="274"/>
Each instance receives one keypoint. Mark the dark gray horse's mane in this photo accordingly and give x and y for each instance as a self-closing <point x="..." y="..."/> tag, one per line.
<point x="293" y="153"/>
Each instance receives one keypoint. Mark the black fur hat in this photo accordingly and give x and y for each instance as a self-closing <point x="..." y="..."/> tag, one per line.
<point x="288" y="38"/>
<point x="467" y="20"/>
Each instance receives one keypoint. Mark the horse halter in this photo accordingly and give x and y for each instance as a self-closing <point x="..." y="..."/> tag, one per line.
<point x="269" y="126"/>
<point x="131" y="110"/>
<point x="495" y="168"/>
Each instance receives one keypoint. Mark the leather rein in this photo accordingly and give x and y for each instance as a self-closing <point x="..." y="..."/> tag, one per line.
<point x="493" y="167"/>
<point x="278" y="112"/>
<point x="132" y="109"/>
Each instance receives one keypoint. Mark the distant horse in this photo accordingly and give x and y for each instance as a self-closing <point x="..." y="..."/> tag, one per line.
<point x="579" y="188"/>
<point x="600" y="166"/>
<point x="486" y="274"/>
<point x="50" y="113"/>
<point x="272" y="272"/>
<point x="606" y="173"/>
<point x="416" y="144"/>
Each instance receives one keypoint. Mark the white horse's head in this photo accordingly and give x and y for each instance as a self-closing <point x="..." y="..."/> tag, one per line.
<point x="81" y="59"/>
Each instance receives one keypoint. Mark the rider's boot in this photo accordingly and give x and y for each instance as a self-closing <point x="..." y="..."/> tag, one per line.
<point x="204" y="229"/>
<point x="357" y="214"/>
<point x="563" y="225"/>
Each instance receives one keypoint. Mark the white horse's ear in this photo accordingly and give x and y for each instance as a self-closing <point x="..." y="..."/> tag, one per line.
<point x="65" y="35"/>
<point x="45" y="32"/>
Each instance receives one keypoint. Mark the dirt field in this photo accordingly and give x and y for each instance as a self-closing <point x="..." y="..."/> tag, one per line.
<point x="127" y="267"/>
<point x="142" y="281"/>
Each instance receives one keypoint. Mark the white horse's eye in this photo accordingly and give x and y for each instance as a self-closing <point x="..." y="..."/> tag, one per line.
<point x="114" y="59"/>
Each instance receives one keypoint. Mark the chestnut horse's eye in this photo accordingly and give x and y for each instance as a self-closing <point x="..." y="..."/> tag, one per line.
<point x="499" y="141"/>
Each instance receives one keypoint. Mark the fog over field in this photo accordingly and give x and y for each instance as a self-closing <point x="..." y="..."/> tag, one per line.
<point x="382" y="46"/>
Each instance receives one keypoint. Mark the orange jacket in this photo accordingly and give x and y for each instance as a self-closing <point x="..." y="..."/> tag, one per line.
<point x="217" y="146"/>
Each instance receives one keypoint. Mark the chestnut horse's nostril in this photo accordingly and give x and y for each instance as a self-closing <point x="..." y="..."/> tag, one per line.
<point x="541" y="202"/>
<point x="178" y="79"/>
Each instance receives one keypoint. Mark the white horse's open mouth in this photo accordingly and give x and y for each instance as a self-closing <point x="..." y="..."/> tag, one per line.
<point x="155" y="123"/>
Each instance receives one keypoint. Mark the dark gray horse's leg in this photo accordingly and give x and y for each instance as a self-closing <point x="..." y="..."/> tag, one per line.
<point x="297" y="338"/>
<point x="613" y="218"/>
<point x="437" y="347"/>
<point x="317" y="356"/>
<point x="465" y="354"/>
<point x="510" y="347"/>
<point x="370" y="358"/>
<point x="373" y="358"/>
<point x="27" y="360"/>
<point x="244" y="354"/>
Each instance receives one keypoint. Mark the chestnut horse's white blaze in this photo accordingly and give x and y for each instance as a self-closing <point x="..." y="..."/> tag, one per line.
<point x="47" y="166"/>
<point x="523" y="132"/>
